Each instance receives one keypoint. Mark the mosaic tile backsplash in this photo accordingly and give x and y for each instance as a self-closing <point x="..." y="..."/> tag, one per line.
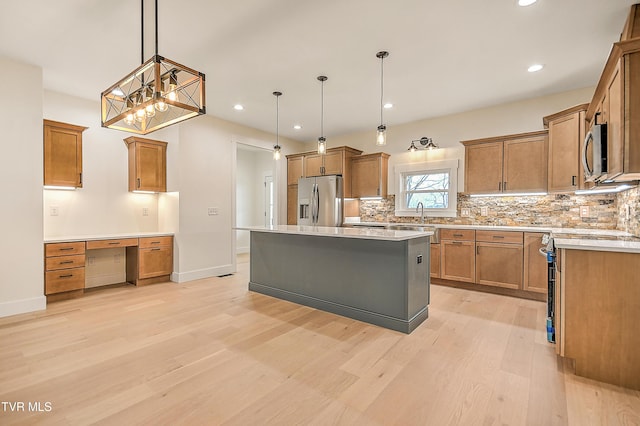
<point x="554" y="210"/>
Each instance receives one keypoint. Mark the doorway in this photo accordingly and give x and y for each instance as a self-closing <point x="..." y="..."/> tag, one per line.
<point x="256" y="196"/>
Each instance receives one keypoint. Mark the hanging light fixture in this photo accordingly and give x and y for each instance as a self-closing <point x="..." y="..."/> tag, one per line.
<point x="381" y="138"/>
<point x="322" y="141"/>
<point x="158" y="93"/>
<point x="276" y="148"/>
<point x="425" y="142"/>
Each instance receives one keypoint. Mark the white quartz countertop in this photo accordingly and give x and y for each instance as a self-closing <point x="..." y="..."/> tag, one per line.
<point x="94" y="237"/>
<point x="341" y="232"/>
<point x="568" y="238"/>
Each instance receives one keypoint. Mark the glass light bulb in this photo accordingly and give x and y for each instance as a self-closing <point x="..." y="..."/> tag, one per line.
<point x="276" y="153"/>
<point x="162" y="106"/>
<point x="322" y="146"/>
<point x="173" y="94"/>
<point x="381" y="139"/>
<point x="150" y="110"/>
<point x="129" y="119"/>
<point x="140" y="115"/>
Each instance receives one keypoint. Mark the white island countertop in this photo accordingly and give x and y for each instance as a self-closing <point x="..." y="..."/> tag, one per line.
<point x="341" y="232"/>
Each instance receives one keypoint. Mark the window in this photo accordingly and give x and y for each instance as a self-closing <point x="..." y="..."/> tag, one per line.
<point x="434" y="184"/>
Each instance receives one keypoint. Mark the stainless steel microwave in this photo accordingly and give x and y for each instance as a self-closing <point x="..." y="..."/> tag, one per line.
<point x="594" y="152"/>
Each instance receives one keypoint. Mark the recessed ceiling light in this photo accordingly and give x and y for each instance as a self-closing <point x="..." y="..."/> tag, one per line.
<point x="535" y="68"/>
<point x="526" y="2"/>
<point x="238" y="107"/>
<point x="297" y="126"/>
<point x="388" y="105"/>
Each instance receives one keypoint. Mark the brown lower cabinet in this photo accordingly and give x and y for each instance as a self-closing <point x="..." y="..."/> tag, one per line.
<point x="499" y="258"/>
<point x="506" y="262"/>
<point x="435" y="260"/>
<point x="64" y="269"/>
<point x="458" y="258"/>
<point x="152" y="262"/>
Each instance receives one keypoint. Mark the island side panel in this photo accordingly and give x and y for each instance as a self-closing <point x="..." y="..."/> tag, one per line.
<point x="418" y="291"/>
<point x="359" y="278"/>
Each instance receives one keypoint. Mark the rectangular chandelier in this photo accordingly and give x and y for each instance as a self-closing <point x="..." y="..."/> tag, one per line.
<point x="157" y="94"/>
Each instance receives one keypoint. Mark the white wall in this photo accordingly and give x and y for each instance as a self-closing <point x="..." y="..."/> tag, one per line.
<point x="21" y="250"/>
<point x="207" y="179"/>
<point x="103" y="205"/>
<point x="448" y="131"/>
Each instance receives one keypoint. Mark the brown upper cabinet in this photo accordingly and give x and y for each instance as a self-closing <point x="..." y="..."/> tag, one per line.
<point x="506" y="164"/>
<point x="566" y="134"/>
<point x="62" y="154"/>
<point x="617" y="99"/>
<point x="632" y="26"/>
<point x="147" y="164"/>
<point x="369" y="175"/>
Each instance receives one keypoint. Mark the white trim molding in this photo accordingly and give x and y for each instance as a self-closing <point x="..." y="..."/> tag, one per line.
<point x="23" y="306"/>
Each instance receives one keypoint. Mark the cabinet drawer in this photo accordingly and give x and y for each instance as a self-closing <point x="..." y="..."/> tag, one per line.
<point x="458" y="234"/>
<point x="64" y="262"/>
<point x="508" y="237"/>
<point x="100" y="244"/>
<point x="155" y="242"/>
<point x="64" y="280"/>
<point x="62" y="249"/>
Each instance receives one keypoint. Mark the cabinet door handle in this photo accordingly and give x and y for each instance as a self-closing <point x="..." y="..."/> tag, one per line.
<point x="155" y="242"/>
<point x="504" y="186"/>
<point x="498" y="237"/>
<point x="80" y="178"/>
<point x="456" y="242"/>
<point x="499" y="186"/>
<point x="477" y="249"/>
<point x="65" y="276"/>
<point x="66" y="262"/>
<point x="66" y="248"/>
<point x="573" y="180"/>
<point x="114" y="243"/>
<point x="155" y="249"/>
<point x="138" y="182"/>
<point x="457" y="235"/>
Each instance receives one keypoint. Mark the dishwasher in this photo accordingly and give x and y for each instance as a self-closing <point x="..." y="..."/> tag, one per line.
<point x="548" y="251"/>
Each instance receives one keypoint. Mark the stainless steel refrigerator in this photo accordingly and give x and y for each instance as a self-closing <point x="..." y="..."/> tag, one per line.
<point x="320" y="201"/>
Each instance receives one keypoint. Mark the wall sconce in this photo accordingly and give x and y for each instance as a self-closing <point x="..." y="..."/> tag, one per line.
<point x="425" y="142"/>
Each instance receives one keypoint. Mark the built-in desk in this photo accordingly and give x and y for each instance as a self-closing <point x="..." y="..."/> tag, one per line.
<point x="149" y="260"/>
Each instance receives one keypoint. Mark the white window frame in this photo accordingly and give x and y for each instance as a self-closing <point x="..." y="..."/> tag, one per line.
<point x="429" y="167"/>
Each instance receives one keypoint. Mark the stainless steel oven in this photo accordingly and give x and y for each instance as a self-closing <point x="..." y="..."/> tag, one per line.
<point x="594" y="152"/>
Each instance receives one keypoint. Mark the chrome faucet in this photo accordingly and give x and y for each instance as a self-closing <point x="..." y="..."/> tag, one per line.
<point x="420" y="206"/>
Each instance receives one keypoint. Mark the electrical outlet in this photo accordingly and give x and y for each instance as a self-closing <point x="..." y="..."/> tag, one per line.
<point x="145" y="211"/>
<point x="465" y="212"/>
<point x="212" y="211"/>
<point x="53" y="211"/>
<point x="91" y="260"/>
<point x="484" y="211"/>
<point x="116" y="258"/>
<point x="628" y="212"/>
<point x="584" y="211"/>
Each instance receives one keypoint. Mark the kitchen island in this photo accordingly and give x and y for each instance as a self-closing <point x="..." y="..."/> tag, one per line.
<point x="377" y="276"/>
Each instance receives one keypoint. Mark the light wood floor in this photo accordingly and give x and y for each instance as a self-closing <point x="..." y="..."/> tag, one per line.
<point x="210" y="352"/>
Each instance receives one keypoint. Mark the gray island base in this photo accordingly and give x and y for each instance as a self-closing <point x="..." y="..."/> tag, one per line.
<point x="380" y="276"/>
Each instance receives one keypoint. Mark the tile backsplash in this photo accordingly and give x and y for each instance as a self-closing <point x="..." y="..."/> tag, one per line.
<point x="555" y="210"/>
<point x="629" y="211"/>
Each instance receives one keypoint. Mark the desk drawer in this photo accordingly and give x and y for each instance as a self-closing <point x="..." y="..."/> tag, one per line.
<point x="149" y="242"/>
<point x="101" y="244"/>
<point x="507" y="237"/>
<point x="64" y="280"/>
<point x="63" y="249"/>
<point x="458" y="234"/>
<point x="64" y="262"/>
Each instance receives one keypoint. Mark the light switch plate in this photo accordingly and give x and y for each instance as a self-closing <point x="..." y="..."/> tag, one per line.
<point x="53" y="211"/>
<point x="212" y="211"/>
<point x="465" y="212"/>
<point x="484" y="211"/>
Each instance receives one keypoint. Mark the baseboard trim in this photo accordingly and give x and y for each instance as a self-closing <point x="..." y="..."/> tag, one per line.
<point x="198" y="274"/>
<point x="23" y="306"/>
<point x="242" y="250"/>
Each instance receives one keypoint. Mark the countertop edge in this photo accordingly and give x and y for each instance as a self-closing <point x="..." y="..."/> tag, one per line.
<point x="95" y="237"/>
<point x="321" y="231"/>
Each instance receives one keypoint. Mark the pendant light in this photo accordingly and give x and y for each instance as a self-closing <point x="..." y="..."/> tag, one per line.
<point x="157" y="94"/>
<point x="322" y="141"/>
<point x="381" y="138"/>
<point x="276" y="148"/>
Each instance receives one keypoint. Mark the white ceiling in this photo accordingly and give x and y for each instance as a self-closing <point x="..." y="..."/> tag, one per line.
<point x="446" y="56"/>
